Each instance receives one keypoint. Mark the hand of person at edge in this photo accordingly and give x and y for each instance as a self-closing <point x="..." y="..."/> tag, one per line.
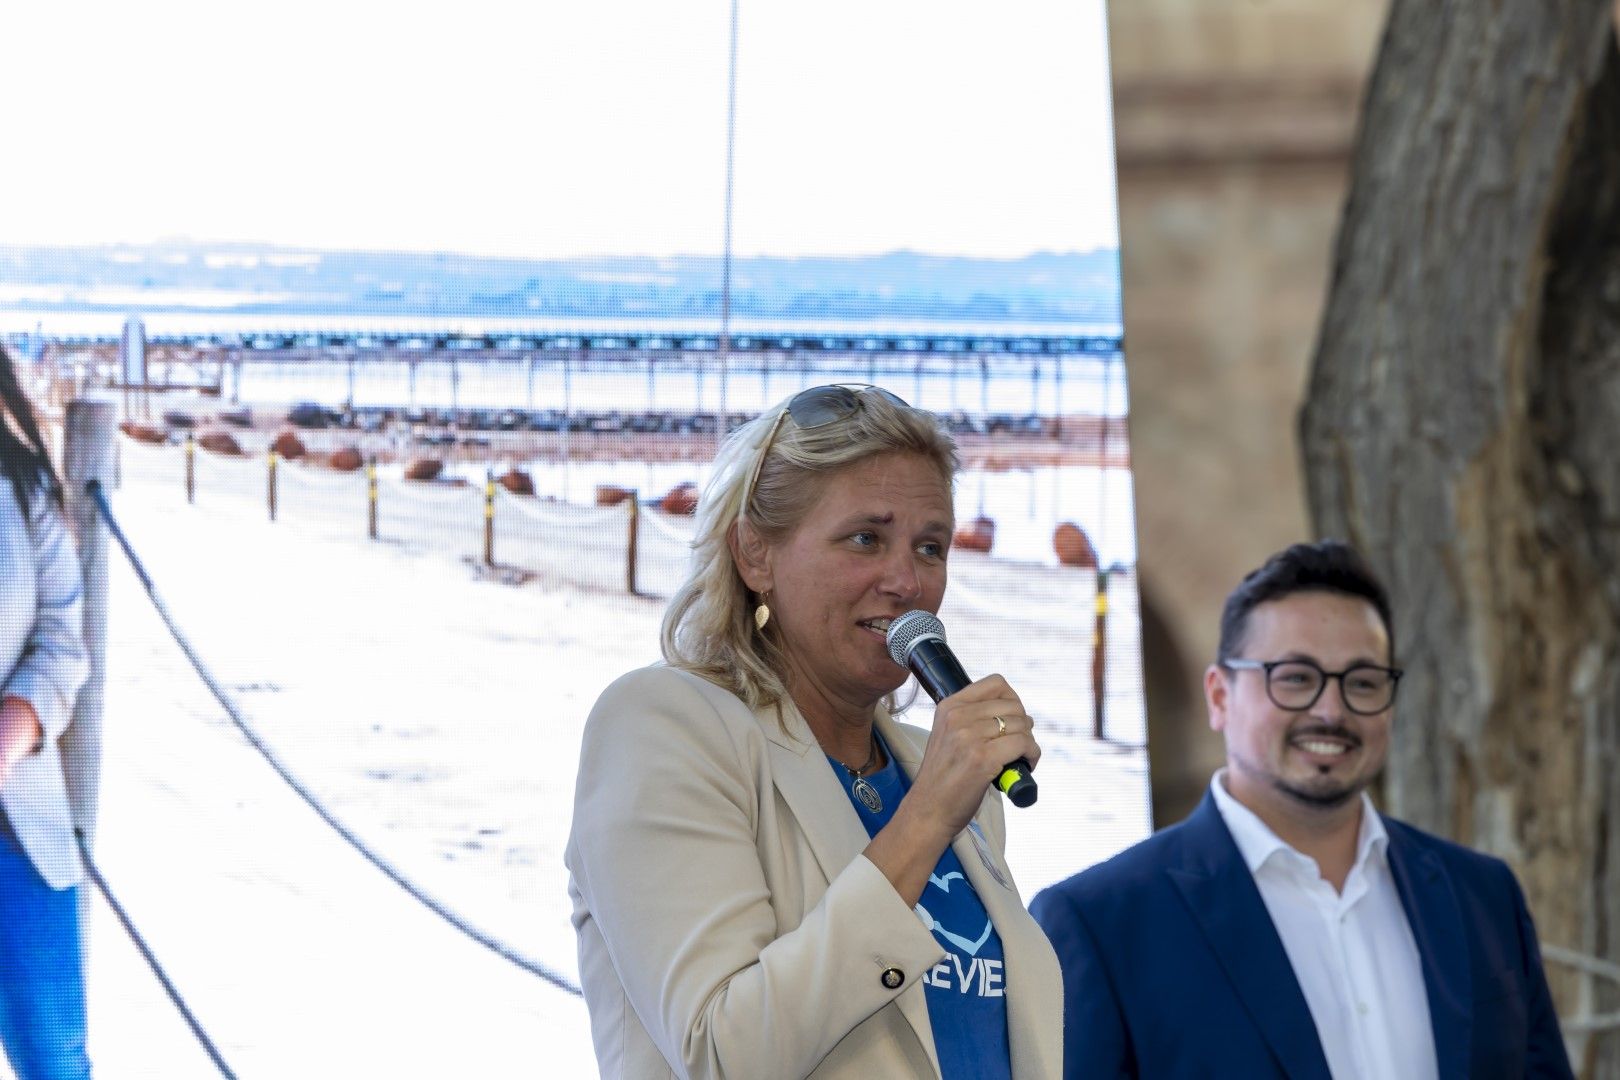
<point x="20" y="733"/>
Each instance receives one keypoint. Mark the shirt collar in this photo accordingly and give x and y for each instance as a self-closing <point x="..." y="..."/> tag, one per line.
<point x="1257" y="843"/>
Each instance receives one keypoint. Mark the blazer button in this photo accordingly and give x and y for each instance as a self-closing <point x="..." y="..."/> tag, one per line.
<point x="893" y="978"/>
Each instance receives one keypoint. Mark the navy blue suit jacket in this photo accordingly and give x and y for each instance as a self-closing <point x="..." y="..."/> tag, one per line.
<point x="1173" y="968"/>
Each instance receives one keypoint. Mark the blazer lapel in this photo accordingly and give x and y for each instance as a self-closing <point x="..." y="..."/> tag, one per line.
<point x="1037" y="1049"/>
<point x="830" y="826"/>
<point x="1436" y="920"/>
<point x="1224" y="901"/>
<point x="1035" y="1052"/>
<point x="801" y="773"/>
<point x="914" y="1002"/>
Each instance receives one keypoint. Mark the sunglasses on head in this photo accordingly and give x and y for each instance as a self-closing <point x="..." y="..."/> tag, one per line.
<point x="813" y="408"/>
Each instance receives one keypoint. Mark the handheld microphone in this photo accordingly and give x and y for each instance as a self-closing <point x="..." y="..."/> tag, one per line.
<point x="917" y="641"/>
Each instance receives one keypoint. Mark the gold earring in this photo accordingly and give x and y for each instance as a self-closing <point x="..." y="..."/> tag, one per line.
<point x="762" y="614"/>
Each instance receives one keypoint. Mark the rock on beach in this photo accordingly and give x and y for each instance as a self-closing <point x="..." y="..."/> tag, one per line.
<point x="220" y="442"/>
<point x="289" y="446"/>
<point x="977" y="535"/>
<point x="423" y="468"/>
<point x="347" y="459"/>
<point x="681" y="499"/>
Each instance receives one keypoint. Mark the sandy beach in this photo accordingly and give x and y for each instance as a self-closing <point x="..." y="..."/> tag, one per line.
<point x="437" y="707"/>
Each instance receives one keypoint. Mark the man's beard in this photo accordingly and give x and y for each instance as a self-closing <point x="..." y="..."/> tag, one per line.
<point x="1332" y="792"/>
<point x="1320" y="800"/>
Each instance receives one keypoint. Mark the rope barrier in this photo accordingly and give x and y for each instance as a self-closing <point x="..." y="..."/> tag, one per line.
<point x="1592" y="966"/>
<point x="141" y="446"/>
<point x="578" y="518"/>
<point x="151" y="958"/>
<point x="423" y="494"/>
<point x="504" y="951"/>
<point x="316" y="476"/>
<point x="655" y="518"/>
<point x="226" y="462"/>
<point x="959" y="592"/>
<point x="544" y="507"/>
<point x="1595" y="1024"/>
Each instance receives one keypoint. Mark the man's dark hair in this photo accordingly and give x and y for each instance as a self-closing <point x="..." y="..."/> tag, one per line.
<point x="1325" y="566"/>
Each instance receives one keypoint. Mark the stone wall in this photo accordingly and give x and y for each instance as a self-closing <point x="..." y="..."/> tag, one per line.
<point x="1234" y="122"/>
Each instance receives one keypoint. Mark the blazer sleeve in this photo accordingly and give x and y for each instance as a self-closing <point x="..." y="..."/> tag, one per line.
<point x="1095" y="1040"/>
<point x="667" y="858"/>
<point x="1545" y="1053"/>
<point x="54" y="663"/>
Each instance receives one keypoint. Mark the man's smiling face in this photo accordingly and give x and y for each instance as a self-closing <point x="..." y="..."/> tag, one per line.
<point x="1321" y="756"/>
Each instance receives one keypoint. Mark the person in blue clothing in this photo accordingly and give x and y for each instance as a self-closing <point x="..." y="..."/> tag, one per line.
<point x="42" y="664"/>
<point x="1287" y="928"/>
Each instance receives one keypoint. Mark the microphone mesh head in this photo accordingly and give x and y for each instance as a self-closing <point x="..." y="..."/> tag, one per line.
<point x="909" y="629"/>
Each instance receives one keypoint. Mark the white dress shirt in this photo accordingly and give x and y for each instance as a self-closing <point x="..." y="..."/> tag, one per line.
<point x="1352" y="952"/>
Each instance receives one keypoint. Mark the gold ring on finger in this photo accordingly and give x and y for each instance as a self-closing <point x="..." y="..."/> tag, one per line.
<point x="1001" y="727"/>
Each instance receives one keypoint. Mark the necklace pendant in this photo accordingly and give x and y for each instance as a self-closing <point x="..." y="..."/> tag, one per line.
<point x="867" y="794"/>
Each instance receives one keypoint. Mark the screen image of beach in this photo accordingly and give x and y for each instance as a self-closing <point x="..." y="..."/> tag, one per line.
<point x="419" y="374"/>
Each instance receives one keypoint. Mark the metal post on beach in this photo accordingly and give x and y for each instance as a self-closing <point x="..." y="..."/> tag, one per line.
<point x="270" y="490"/>
<point x="87" y="456"/>
<point x="1057" y="395"/>
<point x="630" y="545"/>
<point x="568" y="419"/>
<point x="191" y="468"/>
<point x="1099" y="659"/>
<point x="1100" y="637"/>
<point x="371" y="497"/>
<point x="489" y="517"/>
<point x="724" y="424"/>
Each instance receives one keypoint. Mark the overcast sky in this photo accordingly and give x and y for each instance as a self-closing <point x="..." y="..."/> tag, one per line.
<point x="545" y="129"/>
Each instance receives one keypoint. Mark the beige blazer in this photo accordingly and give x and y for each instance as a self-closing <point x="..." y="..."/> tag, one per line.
<point x="729" y="925"/>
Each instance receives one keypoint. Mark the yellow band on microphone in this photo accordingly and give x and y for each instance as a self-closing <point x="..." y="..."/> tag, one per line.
<point x="1007" y="779"/>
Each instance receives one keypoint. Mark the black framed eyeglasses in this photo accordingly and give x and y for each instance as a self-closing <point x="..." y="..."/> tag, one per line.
<point x="1295" y="685"/>
<point x="816" y="407"/>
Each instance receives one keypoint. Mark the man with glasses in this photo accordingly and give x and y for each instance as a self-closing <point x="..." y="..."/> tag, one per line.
<point x="1287" y="928"/>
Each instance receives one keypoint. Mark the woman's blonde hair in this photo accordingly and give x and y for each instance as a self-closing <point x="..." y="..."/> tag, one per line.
<point x="709" y="625"/>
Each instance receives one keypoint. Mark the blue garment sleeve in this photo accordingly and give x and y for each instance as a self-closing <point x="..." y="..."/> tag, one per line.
<point x="1095" y="1040"/>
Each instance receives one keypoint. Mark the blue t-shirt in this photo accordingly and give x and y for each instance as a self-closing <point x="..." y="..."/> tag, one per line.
<point x="967" y="997"/>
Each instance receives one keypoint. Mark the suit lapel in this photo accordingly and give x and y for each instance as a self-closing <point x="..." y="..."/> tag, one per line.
<point x="1436" y="920"/>
<point x="829" y="823"/>
<point x="1224" y="901"/>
